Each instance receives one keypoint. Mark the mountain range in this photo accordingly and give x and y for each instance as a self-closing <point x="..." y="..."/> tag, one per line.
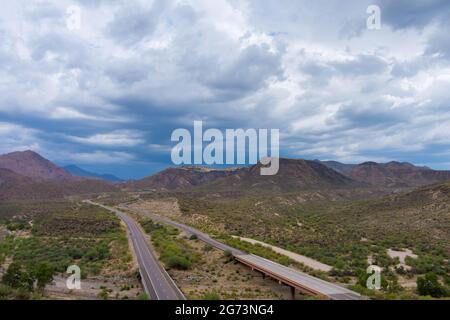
<point x="77" y="171"/>
<point x="295" y="175"/>
<point x="392" y="174"/>
<point x="27" y="175"/>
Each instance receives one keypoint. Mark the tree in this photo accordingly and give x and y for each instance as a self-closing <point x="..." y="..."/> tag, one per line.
<point x="43" y="274"/>
<point x="430" y="286"/>
<point x="18" y="278"/>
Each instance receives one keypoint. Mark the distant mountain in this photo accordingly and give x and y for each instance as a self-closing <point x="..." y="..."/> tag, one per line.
<point x="337" y="166"/>
<point x="396" y="174"/>
<point x="79" y="172"/>
<point x="180" y="178"/>
<point x="28" y="176"/>
<point x="13" y="185"/>
<point x="32" y="165"/>
<point x="294" y="175"/>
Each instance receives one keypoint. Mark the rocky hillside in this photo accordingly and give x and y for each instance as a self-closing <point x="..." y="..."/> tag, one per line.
<point x="396" y="174"/>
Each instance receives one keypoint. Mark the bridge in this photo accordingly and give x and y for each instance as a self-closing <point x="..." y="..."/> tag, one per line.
<point x="295" y="279"/>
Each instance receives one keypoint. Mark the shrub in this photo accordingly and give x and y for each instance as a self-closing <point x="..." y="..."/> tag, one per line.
<point x="177" y="262"/>
<point x="143" y="296"/>
<point x="5" y="291"/>
<point x="193" y="237"/>
<point x="213" y="295"/>
<point x="18" y="278"/>
<point x="429" y="285"/>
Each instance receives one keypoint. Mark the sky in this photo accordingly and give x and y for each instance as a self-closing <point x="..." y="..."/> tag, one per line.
<point x="106" y="94"/>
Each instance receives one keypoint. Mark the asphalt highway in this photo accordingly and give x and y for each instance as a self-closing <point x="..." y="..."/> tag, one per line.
<point x="322" y="287"/>
<point x="157" y="282"/>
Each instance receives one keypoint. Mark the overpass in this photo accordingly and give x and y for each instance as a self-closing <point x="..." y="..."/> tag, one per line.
<point x="284" y="275"/>
<point x="297" y="280"/>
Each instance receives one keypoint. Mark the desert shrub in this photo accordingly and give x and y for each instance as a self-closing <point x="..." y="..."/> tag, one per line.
<point x="174" y="253"/>
<point x="17" y="277"/>
<point x="429" y="285"/>
<point x="212" y="295"/>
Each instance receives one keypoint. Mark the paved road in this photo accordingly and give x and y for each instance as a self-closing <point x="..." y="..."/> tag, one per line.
<point x="328" y="289"/>
<point x="331" y="290"/>
<point x="201" y="235"/>
<point x="157" y="282"/>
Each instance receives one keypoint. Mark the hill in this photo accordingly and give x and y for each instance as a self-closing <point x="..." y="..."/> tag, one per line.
<point x="79" y="172"/>
<point x="293" y="175"/>
<point x="180" y="178"/>
<point x="396" y="174"/>
<point x="29" y="176"/>
<point x="32" y="165"/>
<point x="337" y="166"/>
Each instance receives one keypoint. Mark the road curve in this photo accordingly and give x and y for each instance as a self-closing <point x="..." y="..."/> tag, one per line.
<point x="157" y="282"/>
<point x="288" y="275"/>
<point x="201" y="235"/>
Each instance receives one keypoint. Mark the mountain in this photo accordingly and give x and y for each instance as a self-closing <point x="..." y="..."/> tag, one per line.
<point x="180" y="178"/>
<point x="32" y="165"/>
<point x="79" y="172"/>
<point x="337" y="166"/>
<point x="14" y="186"/>
<point x="29" y="176"/>
<point x="396" y="174"/>
<point x="11" y="184"/>
<point x="294" y="175"/>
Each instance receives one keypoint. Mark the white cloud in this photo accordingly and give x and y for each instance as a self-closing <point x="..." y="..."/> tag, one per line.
<point x="334" y="89"/>
<point x="97" y="157"/>
<point x="119" y="138"/>
<point x="17" y="138"/>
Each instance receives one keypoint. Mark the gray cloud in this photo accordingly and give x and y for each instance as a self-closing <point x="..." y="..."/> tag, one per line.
<point x="133" y="22"/>
<point x="402" y="14"/>
<point x="137" y="70"/>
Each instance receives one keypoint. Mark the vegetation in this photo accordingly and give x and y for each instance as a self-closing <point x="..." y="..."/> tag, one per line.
<point x="429" y="285"/>
<point x="343" y="234"/>
<point x="257" y="249"/>
<point x="212" y="295"/>
<point x="174" y="252"/>
<point x="57" y="235"/>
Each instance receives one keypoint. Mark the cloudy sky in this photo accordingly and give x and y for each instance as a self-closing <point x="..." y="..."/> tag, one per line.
<point x="106" y="96"/>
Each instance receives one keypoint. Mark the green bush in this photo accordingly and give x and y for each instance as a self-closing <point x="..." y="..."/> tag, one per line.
<point x="429" y="285"/>
<point x="174" y="252"/>
<point x="177" y="262"/>
<point x="18" y="278"/>
<point x="213" y="295"/>
<point x="5" y="291"/>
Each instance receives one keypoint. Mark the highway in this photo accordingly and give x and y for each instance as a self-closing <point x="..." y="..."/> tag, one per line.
<point x="288" y="276"/>
<point x="157" y="282"/>
<point x="299" y="280"/>
<point x="201" y="235"/>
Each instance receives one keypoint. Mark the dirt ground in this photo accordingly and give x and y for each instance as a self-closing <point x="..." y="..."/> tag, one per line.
<point x="311" y="263"/>
<point x="217" y="274"/>
<point x="112" y="284"/>
<point x="91" y="288"/>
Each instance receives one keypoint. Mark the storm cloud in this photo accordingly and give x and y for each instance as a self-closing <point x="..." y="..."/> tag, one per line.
<point x="109" y="94"/>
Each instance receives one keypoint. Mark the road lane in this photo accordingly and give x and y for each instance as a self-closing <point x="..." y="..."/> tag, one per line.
<point x="325" y="288"/>
<point x="157" y="282"/>
<point x="201" y="235"/>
